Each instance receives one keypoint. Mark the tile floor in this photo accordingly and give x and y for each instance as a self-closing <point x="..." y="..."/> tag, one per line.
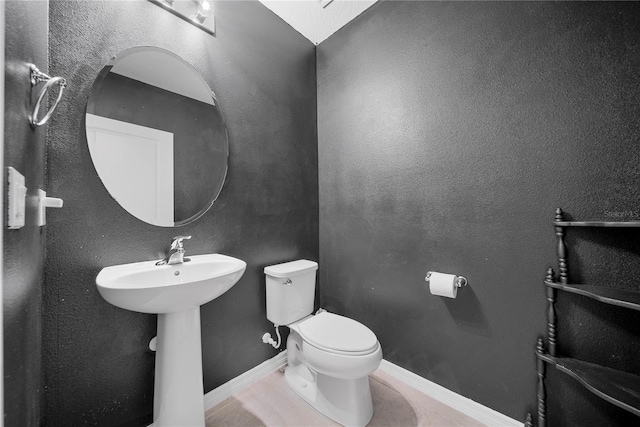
<point x="271" y="403"/>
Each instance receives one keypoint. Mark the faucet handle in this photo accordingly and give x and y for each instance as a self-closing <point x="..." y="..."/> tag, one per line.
<point x="176" y="243"/>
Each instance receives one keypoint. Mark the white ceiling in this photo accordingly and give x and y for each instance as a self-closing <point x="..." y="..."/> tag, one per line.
<point x="317" y="19"/>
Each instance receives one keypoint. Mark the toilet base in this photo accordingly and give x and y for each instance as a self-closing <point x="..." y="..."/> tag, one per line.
<point x="347" y="402"/>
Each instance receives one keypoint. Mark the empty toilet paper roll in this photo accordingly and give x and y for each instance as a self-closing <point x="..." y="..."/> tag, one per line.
<point x="443" y="285"/>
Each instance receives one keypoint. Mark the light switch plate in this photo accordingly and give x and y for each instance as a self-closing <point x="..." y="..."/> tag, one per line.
<point x="16" y="199"/>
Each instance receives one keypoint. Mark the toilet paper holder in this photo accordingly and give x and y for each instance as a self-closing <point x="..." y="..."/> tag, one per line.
<point x="460" y="280"/>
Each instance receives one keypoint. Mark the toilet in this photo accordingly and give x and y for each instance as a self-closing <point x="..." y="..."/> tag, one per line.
<point x="329" y="357"/>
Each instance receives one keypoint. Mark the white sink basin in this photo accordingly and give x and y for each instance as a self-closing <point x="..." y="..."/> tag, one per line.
<point x="150" y="288"/>
<point x="175" y="293"/>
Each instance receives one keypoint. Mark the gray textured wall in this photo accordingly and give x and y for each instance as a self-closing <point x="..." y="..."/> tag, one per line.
<point x="448" y="133"/>
<point x="23" y="255"/>
<point x="97" y="368"/>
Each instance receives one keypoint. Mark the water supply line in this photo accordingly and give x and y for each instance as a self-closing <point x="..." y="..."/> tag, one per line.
<point x="266" y="338"/>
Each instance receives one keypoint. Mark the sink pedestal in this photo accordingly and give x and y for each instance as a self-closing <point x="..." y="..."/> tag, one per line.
<point x="179" y="391"/>
<point x="175" y="292"/>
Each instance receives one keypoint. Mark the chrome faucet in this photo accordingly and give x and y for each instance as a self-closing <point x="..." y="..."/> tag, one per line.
<point x="176" y="252"/>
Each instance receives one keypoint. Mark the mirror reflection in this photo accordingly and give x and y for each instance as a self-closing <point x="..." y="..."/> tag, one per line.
<point x="156" y="136"/>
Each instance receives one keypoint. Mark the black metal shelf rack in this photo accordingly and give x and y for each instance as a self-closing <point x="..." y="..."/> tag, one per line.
<point x="618" y="387"/>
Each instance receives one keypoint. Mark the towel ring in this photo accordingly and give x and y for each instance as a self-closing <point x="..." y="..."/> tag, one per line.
<point x="36" y="77"/>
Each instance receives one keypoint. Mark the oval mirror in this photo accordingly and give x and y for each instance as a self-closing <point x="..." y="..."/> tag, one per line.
<point x="156" y="136"/>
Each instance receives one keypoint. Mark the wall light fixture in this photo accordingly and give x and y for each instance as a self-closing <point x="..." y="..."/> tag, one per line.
<point x="197" y="12"/>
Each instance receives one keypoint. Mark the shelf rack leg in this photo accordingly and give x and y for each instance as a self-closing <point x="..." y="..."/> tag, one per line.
<point x="562" y="250"/>
<point x="542" y="393"/>
<point x="529" y="421"/>
<point x="551" y="313"/>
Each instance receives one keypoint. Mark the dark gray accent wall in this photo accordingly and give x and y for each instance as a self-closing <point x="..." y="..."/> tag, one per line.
<point x="448" y="133"/>
<point x="98" y="370"/>
<point x="23" y="255"/>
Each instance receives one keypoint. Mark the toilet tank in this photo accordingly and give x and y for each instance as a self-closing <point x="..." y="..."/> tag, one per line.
<point x="291" y="290"/>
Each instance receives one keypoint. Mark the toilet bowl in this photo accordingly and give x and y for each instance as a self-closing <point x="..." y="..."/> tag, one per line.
<point x="329" y="357"/>
<point x="333" y="378"/>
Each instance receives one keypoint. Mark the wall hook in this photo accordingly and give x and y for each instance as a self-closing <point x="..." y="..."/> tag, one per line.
<point x="36" y="77"/>
<point x="45" y="202"/>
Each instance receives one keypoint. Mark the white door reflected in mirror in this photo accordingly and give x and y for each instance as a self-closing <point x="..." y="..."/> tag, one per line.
<point x="136" y="164"/>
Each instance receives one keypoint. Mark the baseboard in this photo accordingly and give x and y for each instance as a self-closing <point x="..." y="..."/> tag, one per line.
<point x="467" y="406"/>
<point x="231" y="387"/>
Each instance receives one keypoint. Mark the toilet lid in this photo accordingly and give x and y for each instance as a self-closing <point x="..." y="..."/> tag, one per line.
<point x="339" y="333"/>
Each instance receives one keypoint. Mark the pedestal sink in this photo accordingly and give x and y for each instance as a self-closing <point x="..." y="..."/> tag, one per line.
<point x="175" y="293"/>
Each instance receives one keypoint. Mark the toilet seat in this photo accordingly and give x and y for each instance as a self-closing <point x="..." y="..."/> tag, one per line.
<point x="338" y="334"/>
